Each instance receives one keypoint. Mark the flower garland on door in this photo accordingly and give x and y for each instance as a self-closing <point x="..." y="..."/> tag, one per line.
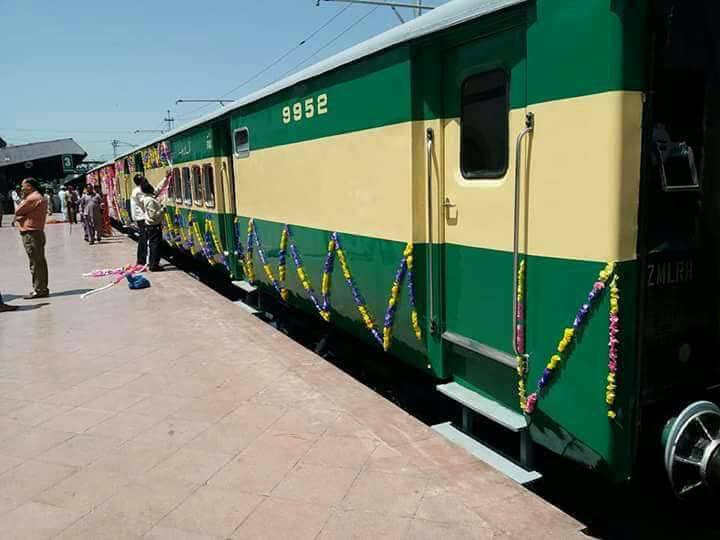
<point x="528" y="403"/>
<point x="613" y="345"/>
<point x="520" y="336"/>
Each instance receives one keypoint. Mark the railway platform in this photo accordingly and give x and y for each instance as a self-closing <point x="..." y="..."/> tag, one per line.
<point x="170" y="412"/>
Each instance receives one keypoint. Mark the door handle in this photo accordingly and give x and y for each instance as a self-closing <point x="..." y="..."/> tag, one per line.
<point x="429" y="140"/>
<point x="448" y="204"/>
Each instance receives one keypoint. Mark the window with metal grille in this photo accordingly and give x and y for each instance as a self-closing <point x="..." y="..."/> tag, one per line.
<point x="209" y="185"/>
<point x="186" y="186"/>
<point x="176" y="186"/>
<point x="197" y="186"/>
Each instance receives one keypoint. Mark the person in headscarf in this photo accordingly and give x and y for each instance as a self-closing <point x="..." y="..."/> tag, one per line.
<point x="91" y="204"/>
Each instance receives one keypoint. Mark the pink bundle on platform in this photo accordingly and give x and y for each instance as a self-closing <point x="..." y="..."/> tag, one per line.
<point x="119" y="273"/>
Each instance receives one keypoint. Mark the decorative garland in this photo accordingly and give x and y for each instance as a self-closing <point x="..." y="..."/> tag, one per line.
<point x="322" y="304"/>
<point x="359" y="300"/>
<point x="185" y="240"/>
<point x="521" y="359"/>
<point x="529" y="403"/>
<point x="122" y="270"/>
<point x="197" y="239"/>
<point x="119" y="273"/>
<point x="212" y="240"/>
<point x="169" y="231"/>
<point x="613" y="345"/>
<point x="282" y="262"/>
<point x="165" y="153"/>
<point x="322" y="309"/>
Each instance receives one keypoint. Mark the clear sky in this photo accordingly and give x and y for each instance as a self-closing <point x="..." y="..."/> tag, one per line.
<point x="97" y="70"/>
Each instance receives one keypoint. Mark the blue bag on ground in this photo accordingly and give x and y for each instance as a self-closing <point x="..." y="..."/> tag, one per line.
<point x="137" y="282"/>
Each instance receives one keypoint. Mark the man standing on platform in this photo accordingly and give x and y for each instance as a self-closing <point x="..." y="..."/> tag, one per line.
<point x="137" y="209"/>
<point x="63" y="201"/>
<point x="15" y="196"/>
<point x="91" y="204"/>
<point x="71" y="204"/>
<point x="30" y="215"/>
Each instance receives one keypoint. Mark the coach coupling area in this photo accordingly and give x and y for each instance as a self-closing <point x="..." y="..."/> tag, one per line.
<point x="169" y="412"/>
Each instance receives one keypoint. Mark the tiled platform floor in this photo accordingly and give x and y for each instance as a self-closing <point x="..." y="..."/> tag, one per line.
<point x="171" y="413"/>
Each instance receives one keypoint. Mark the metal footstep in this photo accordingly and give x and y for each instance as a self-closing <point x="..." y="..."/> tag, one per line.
<point x="514" y="421"/>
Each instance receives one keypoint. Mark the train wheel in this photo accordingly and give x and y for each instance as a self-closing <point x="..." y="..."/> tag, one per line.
<point x="692" y="448"/>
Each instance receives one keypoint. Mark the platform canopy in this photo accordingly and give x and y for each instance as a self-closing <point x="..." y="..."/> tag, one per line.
<point x="45" y="160"/>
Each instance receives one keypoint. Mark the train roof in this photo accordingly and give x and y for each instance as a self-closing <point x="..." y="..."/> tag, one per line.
<point x="451" y="14"/>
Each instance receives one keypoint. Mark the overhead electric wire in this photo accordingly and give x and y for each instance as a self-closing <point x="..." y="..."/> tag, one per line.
<point x="274" y="62"/>
<point x="333" y="40"/>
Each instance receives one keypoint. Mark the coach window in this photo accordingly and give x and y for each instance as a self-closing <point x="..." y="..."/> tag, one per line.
<point x="241" y="142"/>
<point x="484" y="125"/>
<point x="171" y="188"/>
<point x="177" y="186"/>
<point x="197" y="186"/>
<point x="186" y="186"/>
<point x="209" y="185"/>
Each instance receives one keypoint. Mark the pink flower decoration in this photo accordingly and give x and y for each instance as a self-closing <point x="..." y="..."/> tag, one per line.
<point x="531" y="403"/>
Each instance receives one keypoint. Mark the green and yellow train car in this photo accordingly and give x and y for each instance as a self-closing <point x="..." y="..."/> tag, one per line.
<point x="200" y="206"/>
<point x="512" y="196"/>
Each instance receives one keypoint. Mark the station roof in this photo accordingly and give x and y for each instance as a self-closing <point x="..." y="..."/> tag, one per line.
<point x="21" y="153"/>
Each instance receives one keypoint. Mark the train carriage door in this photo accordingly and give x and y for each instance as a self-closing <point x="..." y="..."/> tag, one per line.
<point x="484" y="103"/>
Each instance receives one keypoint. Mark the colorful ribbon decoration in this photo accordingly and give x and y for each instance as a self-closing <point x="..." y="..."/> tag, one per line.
<point x="212" y="246"/>
<point x="120" y="274"/>
<point x="613" y="346"/>
<point x="521" y="359"/>
<point x="529" y="403"/>
<point x="122" y="270"/>
<point x="185" y="239"/>
<point x="322" y="304"/>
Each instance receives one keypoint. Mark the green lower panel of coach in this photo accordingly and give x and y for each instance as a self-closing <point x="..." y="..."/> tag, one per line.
<point x="366" y="287"/>
<point x="346" y="279"/>
<point x="572" y="416"/>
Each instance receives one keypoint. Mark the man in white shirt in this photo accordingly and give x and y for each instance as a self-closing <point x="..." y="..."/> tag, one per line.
<point x="137" y="210"/>
<point x="16" y="199"/>
<point x="63" y="201"/>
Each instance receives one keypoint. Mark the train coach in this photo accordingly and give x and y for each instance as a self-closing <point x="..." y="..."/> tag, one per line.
<point x="515" y="197"/>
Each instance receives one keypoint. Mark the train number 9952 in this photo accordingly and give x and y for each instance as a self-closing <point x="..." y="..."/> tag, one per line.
<point x="306" y="109"/>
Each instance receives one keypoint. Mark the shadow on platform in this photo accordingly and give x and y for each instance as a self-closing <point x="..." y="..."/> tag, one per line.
<point x="9" y="297"/>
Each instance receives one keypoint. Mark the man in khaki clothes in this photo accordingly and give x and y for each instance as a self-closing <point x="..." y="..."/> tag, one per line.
<point x="30" y="215"/>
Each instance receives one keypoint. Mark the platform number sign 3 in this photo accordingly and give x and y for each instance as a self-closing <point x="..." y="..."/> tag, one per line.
<point x="305" y="109"/>
<point x="67" y="163"/>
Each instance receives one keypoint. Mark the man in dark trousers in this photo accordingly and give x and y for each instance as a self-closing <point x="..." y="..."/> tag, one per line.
<point x="30" y="215"/>
<point x="137" y="210"/>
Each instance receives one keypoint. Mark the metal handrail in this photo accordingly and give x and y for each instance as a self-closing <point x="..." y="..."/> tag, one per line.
<point x="431" y="307"/>
<point x="529" y="127"/>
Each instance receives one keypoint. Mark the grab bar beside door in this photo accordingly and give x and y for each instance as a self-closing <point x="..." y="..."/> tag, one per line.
<point x="431" y="301"/>
<point x="529" y="127"/>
